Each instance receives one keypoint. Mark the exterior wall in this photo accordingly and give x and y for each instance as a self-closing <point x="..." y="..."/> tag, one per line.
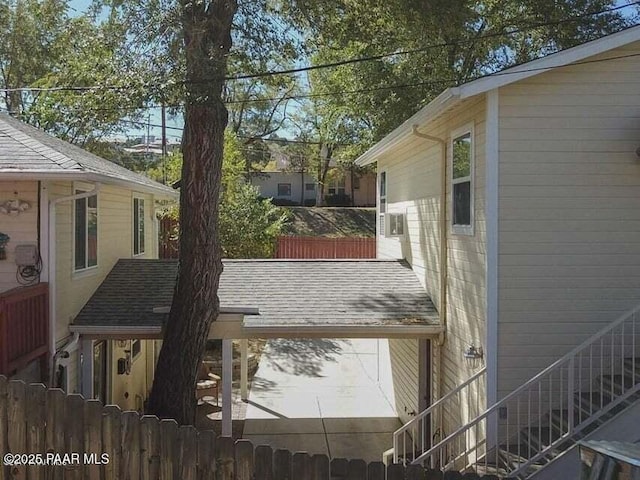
<point x="115" y="241"/>
<point x="569" y="210"/>
<point x="413" y="187"/>
<point x="129" y="391"/>
<point x="22" y="228"/>
<point x="365" y="196"/>
<point x="404" y="369"/>
<point x="268" y="185"/>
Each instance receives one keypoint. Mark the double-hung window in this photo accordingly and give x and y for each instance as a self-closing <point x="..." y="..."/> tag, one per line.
<point x="85" y="232"/>
<point x="138" y="226"/>
<point x="382" y="199"/>
<point x="284" y="189"/>
<point x="462" y="183"/>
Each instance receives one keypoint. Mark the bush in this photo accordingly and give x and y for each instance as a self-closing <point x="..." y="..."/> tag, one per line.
<point x="338" y="200"/>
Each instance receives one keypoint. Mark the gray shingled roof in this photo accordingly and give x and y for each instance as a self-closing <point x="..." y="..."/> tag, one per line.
<point x="286" y="293"/>
<point x="27" y="150"/>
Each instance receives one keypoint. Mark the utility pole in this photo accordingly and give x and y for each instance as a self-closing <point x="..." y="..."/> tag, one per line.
<point x="164" y="144"/>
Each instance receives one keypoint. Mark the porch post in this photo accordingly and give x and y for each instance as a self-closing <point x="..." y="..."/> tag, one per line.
<point x="227" y="373"/>
<point x="86" y="386"/>
<point x="244" y="367"/>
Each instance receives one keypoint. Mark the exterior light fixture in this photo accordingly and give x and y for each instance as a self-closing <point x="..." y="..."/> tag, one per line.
<point x="472" y="352"/>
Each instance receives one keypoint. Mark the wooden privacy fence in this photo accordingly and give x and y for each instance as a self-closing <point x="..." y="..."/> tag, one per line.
<point x="67" y="437"/>
<point x="168" y="238"/>
<point x="324" y="247"/>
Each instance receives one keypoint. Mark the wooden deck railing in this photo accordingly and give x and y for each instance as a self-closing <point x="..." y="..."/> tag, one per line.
<point x="24" y="326"/>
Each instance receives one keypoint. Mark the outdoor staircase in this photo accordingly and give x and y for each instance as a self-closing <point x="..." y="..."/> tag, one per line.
<point x="540" y="421"/>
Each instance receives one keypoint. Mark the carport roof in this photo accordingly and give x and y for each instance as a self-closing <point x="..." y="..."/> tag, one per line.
<point x="278" y="297"/>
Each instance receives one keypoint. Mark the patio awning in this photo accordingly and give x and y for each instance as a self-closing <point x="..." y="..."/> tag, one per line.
<point x="270" y="299"/>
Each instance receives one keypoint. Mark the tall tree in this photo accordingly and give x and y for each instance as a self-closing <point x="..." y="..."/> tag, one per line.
<point x="206" y="28"/>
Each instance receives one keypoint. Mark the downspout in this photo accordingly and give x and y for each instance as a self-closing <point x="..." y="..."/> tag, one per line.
<point x="443" y="244"/>
<point x="55" y="356"/>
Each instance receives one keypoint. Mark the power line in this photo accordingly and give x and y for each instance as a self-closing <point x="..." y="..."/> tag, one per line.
<point x="337" y="63"/>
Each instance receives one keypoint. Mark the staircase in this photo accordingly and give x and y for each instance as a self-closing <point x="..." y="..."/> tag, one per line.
<point x="538" y="422"/>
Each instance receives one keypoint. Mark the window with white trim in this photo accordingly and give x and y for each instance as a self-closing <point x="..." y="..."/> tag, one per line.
<point x="138" y="226"/>
<point x="462" y="183"/>
<point x="395" y="227"/>
<point x="85" y="232"/>
<point x="382" y="200"/>
<point x="336" y="186"/>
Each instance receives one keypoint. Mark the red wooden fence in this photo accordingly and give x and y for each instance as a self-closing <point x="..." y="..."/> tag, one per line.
<point x="323" y="247"/>
<point x="24" y="326"/>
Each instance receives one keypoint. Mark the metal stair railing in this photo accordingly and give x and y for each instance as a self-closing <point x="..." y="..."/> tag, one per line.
<point x="549" y="405"/>
<point x="413" y="439"/>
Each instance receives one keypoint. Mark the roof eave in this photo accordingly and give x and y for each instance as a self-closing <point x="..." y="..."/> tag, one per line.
<point x="442" y="102"/>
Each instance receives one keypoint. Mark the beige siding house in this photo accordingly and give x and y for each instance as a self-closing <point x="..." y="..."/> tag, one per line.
<point x="84" y="214"/>
<point x="538" y="244"/>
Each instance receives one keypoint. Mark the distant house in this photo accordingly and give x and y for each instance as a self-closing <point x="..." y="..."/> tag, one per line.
<point x="77" y="215"/>
<point x="287" y="186"/>
<point x="516" y="200"/>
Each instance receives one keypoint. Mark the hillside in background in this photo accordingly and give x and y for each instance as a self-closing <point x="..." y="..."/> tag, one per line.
<point x="332" y="222"/>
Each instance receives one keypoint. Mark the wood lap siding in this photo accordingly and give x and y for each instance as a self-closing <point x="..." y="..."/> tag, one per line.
<point x="413" y="188"/>
<point x="404" y="361"/>
<point x="569" y="213"/>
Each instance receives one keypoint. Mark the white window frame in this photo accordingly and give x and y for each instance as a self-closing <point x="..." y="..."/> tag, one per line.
<point x="382" y="231"/>
<point x="88" y="270"/>
<point x="387" y="224"/>
<point x="138" y="198"/>
<point x="468" y="230"/>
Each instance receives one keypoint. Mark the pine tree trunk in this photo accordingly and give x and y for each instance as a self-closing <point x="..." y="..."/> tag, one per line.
<point x="207" y="38"/>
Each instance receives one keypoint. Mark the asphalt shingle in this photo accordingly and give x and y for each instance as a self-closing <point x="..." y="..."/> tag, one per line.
<point x="286" y="293"/>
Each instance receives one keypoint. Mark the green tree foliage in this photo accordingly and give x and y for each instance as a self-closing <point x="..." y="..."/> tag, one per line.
<point x="42" y="46"/>
<point x="248" y="224"/>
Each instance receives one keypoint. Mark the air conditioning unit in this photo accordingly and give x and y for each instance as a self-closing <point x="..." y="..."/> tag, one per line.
<point x="394" y="224"/>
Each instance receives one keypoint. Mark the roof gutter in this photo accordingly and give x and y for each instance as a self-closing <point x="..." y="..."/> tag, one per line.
<point x="436" y="107"/>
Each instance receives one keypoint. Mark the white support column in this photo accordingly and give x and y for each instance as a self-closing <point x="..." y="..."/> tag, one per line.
<point x="244" y="369"/>
<point x="86" y="387"/>
<point x="227" y="373"/>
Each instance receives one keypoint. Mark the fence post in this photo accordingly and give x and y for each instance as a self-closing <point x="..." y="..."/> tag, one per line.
<point x="4" y="423"/>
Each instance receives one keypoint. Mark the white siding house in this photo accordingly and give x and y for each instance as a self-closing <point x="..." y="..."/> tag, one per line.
<point x="538" y="246"/>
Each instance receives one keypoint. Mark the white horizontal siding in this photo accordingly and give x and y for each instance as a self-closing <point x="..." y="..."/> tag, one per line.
<point x="414" y="188"/>
<point x="569" y="213"/>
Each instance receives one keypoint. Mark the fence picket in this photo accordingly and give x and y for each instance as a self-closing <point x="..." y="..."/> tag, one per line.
<point x="168" y="449"/>
<point x="93" y="437"/>
<point x="320" y="467"/>
<point x="264" y="463"/>
<point x="17" y="439"/>
<point x="375" y="471"/>
<point x="338" y="468"/>
<point x="187" y="445"/>
<point x="206" y="468"/>
<point x="323" y="247"/>
<point x="112" y="440"/>
<point x="74" y="434"/>
<point x="150" y="448"/>
<point x="395" y="472"/>
<point x="36" y="423"/>
<point x="54" y="431"/>
<point x="357" y="470"/>
<point x="224" y="458"/>
<point x="244" y="460"/>
<point x="301" y="465"/>
<point x="415" y="472"/>
<point x="4" y="425"/>
<point x="130" y="431"/>
<point x="282" y="465"/>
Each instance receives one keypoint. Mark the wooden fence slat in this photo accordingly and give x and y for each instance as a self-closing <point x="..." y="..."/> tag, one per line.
<point x="224" y="458"/>
<point x="206" y="468"/>
<point x="357" y="470"/>
<point x="471" y="476"/>
<point x="149" y="448"/>
<point x="264" y="463"/>
<point x="322" y="247"/>
<point x="187" y="445"/>
<point x="414" y="472"/>
<point x="339" y="467"/>
<point x="130" y="432"/>
<point x="320" y="467"/>
<point x="112" y="440"/>
<point x="36" y="424"/>
<point x="168" y="451"/>
<point x="375" y="471"/>
<point x="435" y="475"/>
<point x="54" y="431"/>
<point x="93" y="437"/>
<point x="282" y="465"/>
<point x="452" y="475"/>
<point x="395" y="472"/>
<point x="301" y="465"/>
<point x="244" y="460"/>
<point x="4" y="424"/>
<point x="17" y="438"/>
<point x="74" y="434"/>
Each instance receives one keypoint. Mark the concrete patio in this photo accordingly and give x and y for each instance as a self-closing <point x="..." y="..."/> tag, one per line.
<point x="325" y="396"/>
